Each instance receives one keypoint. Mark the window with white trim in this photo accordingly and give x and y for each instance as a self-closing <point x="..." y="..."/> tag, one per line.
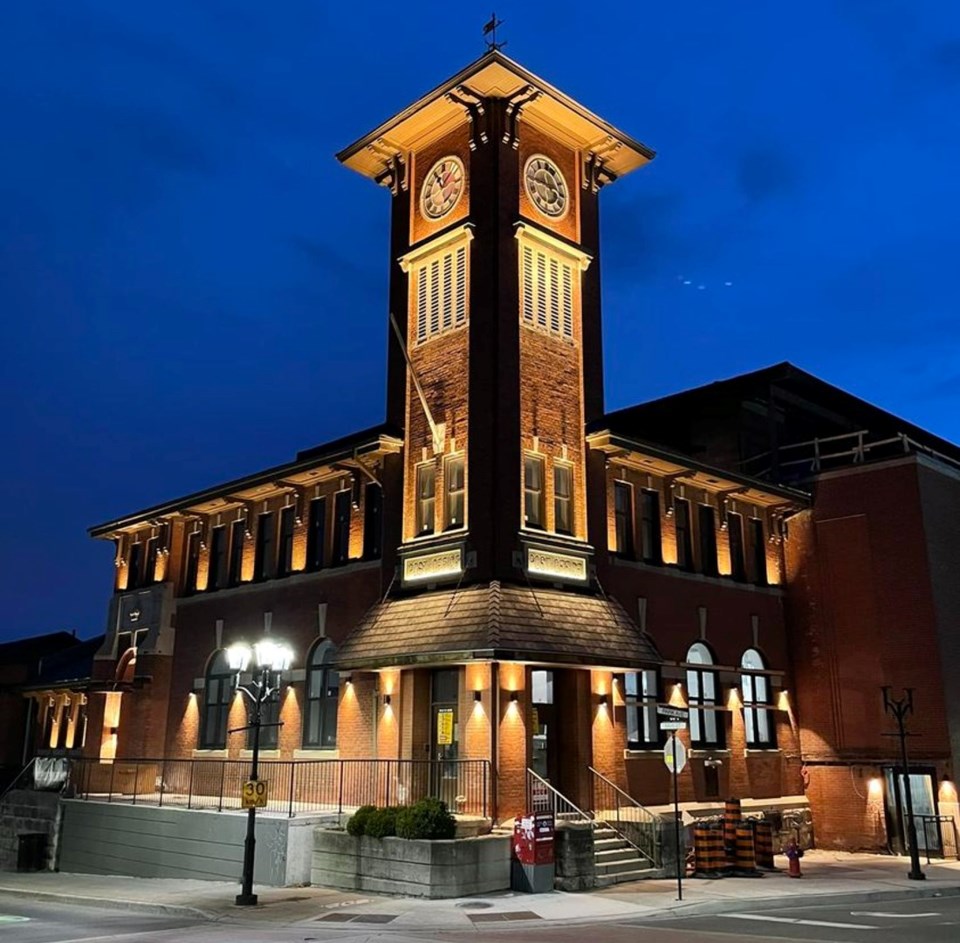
<point x="441" y="292"/>
<point x="546" y="290"/>
<point x="703" y="690"/>
<point x="757" y="716"/>
<point x="641" y="693"/>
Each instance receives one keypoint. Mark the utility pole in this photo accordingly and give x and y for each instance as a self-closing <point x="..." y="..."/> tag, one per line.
<point x="901" y="708"/>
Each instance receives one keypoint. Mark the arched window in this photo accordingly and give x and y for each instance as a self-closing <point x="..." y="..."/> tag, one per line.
<point x="323" y="690"/>
<point x="706" y="724"/>
<point x="217" y="694"/>
<point x="757" y="716"/>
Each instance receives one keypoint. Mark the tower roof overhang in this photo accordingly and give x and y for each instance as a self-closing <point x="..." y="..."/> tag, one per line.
<point x="495" y="75"/>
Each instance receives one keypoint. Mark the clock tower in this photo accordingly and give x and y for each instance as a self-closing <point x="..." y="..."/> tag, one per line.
<point x="495" y="361"/>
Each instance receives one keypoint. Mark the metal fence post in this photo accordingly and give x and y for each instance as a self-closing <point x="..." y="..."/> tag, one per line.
<point x="340" y="792"/>
<point x="292" y="774"/>
<point x="163" y="779"/>
<point x="223" y="772"/>
<point x="113" y="769"/>
<point x="193" y="763"/>
<point x="136" y="777"/>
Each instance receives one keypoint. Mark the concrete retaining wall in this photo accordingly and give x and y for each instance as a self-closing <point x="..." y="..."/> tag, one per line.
<point x="26" y="811"/>
<point x="434" y="869"/>
<point x="144" y="841"/>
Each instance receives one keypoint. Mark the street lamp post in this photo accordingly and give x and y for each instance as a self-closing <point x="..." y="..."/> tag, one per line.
<point x="901" y="708"/>
<point x="271" y="658"/>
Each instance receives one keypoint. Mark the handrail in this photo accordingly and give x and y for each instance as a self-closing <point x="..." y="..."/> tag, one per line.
<point x="559" y="799"/>
<point x="17" y="778"/>
<point x="637" y="825"/>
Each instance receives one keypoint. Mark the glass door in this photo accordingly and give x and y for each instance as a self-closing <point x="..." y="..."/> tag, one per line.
<point x="445" y="734"/>
<point x="923" y="797"/>
<point x="543" y="726"/>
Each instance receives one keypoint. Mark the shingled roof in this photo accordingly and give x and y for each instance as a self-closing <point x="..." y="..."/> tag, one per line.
<point x="498" y="622"/>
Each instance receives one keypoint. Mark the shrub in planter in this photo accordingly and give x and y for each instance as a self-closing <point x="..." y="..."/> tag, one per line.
<point x="428" y="818"/>
<point x="381" y="823"/>
<point x="357" y="823"/>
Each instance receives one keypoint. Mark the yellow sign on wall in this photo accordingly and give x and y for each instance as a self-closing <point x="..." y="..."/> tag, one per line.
<point x="253" y="794"/>
<point x="444" y="726"/>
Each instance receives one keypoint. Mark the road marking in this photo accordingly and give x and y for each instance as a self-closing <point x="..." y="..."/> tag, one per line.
<point x="880" y="913"/>
<point x="11" y="918"/>
<point x="804" y="923"/>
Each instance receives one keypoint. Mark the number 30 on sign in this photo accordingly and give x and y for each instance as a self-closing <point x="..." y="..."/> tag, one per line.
<point x="253" y="794"/>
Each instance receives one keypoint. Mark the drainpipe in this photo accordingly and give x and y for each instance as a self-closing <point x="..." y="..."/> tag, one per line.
<point x="494" y="738"/>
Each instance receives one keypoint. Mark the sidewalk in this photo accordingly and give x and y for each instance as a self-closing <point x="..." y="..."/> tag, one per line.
<point x="828" y="876"/>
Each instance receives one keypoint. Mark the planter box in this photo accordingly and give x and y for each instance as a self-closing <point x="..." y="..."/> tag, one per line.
<point x="455" y="868"/>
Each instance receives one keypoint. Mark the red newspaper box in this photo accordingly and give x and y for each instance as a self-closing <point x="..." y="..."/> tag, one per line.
<point x="543" y="838"/>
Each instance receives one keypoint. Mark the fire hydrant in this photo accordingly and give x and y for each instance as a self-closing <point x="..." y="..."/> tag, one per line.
<point x="794" y="853"/>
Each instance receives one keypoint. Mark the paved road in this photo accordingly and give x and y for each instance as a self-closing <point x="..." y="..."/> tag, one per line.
<point x="933" y="920"/>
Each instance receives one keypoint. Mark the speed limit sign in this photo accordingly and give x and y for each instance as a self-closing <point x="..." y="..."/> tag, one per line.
<point x="253" y="794"/>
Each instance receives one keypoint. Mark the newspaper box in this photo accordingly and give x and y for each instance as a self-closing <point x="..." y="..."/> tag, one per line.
<point x="532" y="869"/>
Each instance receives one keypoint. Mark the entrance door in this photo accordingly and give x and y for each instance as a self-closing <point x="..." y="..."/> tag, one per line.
<point x="923" y="796"/>
<point x="445" y="736"/>
<point x="544" y="759"/>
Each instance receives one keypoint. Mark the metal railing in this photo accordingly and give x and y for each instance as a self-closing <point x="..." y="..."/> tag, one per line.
<point x="294" y="786"/>
<point x="937" y="836"/>
<point x="542" y="797"/>
<point x="635" y="824"/>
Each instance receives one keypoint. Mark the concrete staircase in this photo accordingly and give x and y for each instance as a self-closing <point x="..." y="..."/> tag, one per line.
<point x="617" y="860"/>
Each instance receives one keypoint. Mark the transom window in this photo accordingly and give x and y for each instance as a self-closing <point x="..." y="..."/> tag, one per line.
<point x="757" y="715"/>
<point x="441" y="293"/>
<point x="641" y="691"/>
<point x="706" y="725"/>
<point x="323" y="691"/>
<point x="547" y="291"/>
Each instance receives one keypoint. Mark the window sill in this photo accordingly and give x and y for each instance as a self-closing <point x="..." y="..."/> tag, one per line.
<point x="761" y="751"/>
<point x="316" y="753"/>
<point x="263" y="754"/>
<point x="704" y="752"/>
<point x="210" y="754"/>
<point x="653" y="753"/>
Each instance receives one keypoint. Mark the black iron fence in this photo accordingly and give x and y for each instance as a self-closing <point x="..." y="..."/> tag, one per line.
<point x="293" y="786"/>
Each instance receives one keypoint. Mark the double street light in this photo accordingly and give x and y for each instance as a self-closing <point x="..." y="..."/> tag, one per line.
<point x="270" y="658"/>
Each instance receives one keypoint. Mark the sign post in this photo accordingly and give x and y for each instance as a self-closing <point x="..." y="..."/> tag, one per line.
<point x="675" y="757"/>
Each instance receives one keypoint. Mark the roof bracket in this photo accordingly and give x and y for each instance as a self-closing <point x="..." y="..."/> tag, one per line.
<point x="476" y="114"/>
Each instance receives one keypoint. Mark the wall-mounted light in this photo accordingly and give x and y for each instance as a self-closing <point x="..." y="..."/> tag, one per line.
<point x="514" y="697"/>
<point x="875" y="787"/>
<point x="114" y="731"/>
<point x="477" y="696"/>
<point x="603" y="700"/>
<point x="348" y="679"/>
<point x="386" y="700"/>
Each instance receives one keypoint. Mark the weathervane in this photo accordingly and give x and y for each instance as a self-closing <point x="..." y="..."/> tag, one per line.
<point x="491" y="28"/>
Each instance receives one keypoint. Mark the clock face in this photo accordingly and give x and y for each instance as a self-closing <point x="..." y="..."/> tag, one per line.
<point x="442" y="188"/>
<point x="545" y="186"/>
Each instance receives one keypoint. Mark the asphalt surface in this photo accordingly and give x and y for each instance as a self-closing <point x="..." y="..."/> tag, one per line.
<point x="932" y="920"/>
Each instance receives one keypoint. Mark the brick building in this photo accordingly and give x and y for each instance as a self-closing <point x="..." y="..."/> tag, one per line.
<point x="501" y="573"/>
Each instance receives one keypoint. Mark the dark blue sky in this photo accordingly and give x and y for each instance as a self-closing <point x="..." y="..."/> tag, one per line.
<point x="192" y="288"/>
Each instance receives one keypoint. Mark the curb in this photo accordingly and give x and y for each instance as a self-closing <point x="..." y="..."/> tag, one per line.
<point x="111" y="903"/>
<point x="840" y="899"/>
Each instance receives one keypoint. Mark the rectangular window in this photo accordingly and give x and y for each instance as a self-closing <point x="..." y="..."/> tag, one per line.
<point x="641" y="692"/>
<point x="426" y="498"/>
<point x="218" y="558"/>
<point x="738" y="566"/>
<point x="681" y="514"/>
<point x="150" y="569"/>
<point x="546" y="292"/>
<point x="287" y="523"/>
<point x="342" y="506"/>
<point x="650" y="546"/>
<point x="372" y="522"/>
<point x="192" y="563"/>
<point x="562" y="498"/>
<point x="238" y="534"/>
<point x="623" y="517"/>
<point x="706" y="722"/>
<point x="265" y="562"/>
<point x="708" y="540"/>
<point x="316" y="533"/>
<point x="758" y="548"/>
<point x="441" y="293"/>
<point x="757" y="721"/>
<point x="454" y="484"/>
<point x="134" y="565"/>
<point x="533" y="491"/>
